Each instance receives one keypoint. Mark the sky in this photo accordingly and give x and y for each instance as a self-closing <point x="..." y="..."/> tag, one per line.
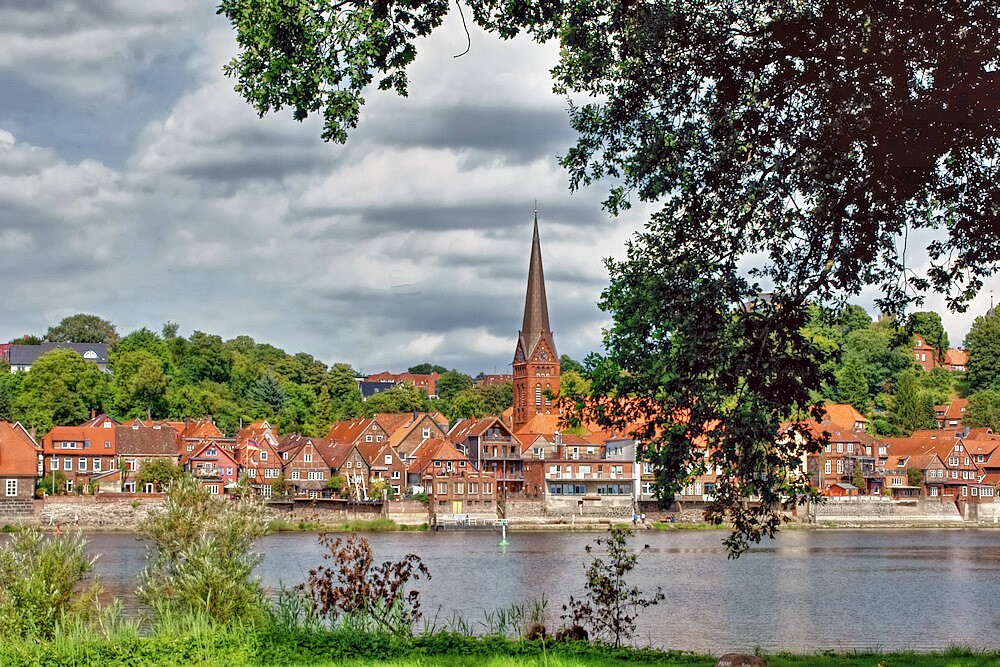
<point x="135" y="184"/>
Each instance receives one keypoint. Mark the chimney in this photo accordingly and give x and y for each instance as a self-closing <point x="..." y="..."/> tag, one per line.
<point x="93" y="413"/>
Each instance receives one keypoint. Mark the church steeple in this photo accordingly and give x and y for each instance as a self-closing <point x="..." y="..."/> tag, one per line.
<point x="536" y="363"/>
<point x="536" y="308"/>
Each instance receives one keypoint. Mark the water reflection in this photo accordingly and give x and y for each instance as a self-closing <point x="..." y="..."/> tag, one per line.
<point x="804" y="591"/>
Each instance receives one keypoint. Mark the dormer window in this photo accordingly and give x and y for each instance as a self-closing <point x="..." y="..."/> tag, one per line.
<point x="263" y="456"/>
<point x="426" y="432"/>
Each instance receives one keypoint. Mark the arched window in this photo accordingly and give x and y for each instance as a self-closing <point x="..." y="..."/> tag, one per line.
<point x="538" y="394"/>
<point x="548" y="401"/>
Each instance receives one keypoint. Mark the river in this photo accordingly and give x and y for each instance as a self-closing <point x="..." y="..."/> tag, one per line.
<point x="803" y="591"/>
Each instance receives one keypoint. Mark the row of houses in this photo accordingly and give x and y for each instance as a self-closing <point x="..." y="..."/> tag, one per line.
<point x="476" y="465"/>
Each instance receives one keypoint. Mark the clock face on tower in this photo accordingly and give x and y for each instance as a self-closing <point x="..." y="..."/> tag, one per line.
<point x="543" y="355"/>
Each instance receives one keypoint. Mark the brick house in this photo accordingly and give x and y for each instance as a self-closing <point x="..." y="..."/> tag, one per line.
<point x="384" y="463"/>
<point x="138" y="443"/>
<point x="20" y="462"/>
<point x="844" y="452"/>
<point x="309" y="463"/>
<point x="961" y="478"/>
<point x="407" y="430"/>
<point x="357" y="431"/>
<point x="256" y="452"/>
<point x="452" y="484"/>
<point x="924" y="355"/>
<point x="214" y="467"/>
<point x="491" y="447"/>
<point x="955" y="360"/>
<point x="80" y="452"/>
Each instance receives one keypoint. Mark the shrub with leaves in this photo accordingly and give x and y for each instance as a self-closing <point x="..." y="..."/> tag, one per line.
<point x="41" y="583"/>
<point x="202" y="557"/>
<point x="353" y="585"/>
<point x="610" y="607"/>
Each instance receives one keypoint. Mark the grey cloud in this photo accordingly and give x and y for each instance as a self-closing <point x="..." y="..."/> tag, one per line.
<point x="518" y="136"/>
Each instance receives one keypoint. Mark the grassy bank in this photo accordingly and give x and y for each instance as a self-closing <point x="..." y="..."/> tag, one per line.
<point x="367" y="526"/>
<point x="201" y="643"/>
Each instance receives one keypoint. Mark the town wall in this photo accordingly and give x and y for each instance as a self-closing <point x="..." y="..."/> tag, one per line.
<point x="17" y="510"/>
<point x="119" y="511"/>
<point x="875" y="511"/>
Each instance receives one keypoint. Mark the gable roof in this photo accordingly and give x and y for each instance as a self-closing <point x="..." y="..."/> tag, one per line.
<point x="434" y="449"/>
<point x="955" y="357"/>
<point x="844" y="415"/>
<point x="155" y="440"/>
<point x="349" y="430"/>
<point x="26" y="355"/>
<point x="18" y="450"/>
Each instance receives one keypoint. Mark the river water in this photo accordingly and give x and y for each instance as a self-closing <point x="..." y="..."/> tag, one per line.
<point x="803" y="591"/>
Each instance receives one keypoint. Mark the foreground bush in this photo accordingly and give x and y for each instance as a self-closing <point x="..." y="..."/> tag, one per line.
<point x="41" y="581"/>
<point x="202" y="558"/>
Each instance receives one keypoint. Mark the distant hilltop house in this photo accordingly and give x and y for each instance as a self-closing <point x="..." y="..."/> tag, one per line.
<point x="21" y="357"/>
<point x="926" y="356"/>
<point x="379" y="382"/>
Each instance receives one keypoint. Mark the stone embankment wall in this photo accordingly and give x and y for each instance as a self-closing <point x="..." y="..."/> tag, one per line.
<point x="17" y="510"/>
<point x="327" y="511"/>
<point x="117" y="512"/>
<point x="877" y="511"/>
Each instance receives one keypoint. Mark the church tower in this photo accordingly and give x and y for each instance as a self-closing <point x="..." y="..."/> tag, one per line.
<point x="536" y="363"/>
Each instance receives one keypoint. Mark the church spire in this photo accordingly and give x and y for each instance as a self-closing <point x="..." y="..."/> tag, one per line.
<point x="536" y="309"/>
<point x="536" y="364"/>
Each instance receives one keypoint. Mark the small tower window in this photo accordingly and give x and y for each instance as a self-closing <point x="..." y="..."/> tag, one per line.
<point x="538" y="394"/>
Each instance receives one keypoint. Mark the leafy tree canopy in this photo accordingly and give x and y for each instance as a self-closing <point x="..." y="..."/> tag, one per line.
<point x="983" y="344"/>
<point x="805" y="140"/>
<point x="928" y="324"/>
<point x="426" y="369"/>
<point x="83" y="328"/>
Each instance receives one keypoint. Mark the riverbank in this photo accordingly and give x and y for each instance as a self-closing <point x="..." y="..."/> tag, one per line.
<point x="270" y="644"/>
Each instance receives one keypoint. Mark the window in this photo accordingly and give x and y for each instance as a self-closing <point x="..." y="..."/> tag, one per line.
<point x="263" y="455"/>
<point x="81" y="464"/>
<point x="473" y="488"/>
<point x="840" y="467"/>
<point x="308" y="458"/>
<point x="213" y="489"/>
<point x="211" y="451"/>
<point x="395" y="474"/>
<point x="850" y="448"/>
<point x="828" y="467"/>
<point x="147" y="487"/>
<point x="97" y="464"/>
<point x="840" y="446"/>
<point x="54" y="464"/>
<point x="426" y="432"/>
<point x="378" y="438"/>
<point x="271" y="473"/>
<point x="538" y="394"/>
<point x="442" y="488"/>
<point x="11" y="487"/>
<point x="67" y="463"/>
<point x="388" y="459"/>
<point x="487" y="487"/>
<point x="437" y="464"/>
<point x="459" y="488"/>
<point x="295" y="474"/>
<point x="349" y="464"/>
<point x="368" y="438"/>
<point x="828" y="446"/>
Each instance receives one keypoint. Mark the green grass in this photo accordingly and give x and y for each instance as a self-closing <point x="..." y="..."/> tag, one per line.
<point x="663" y="525"/>
<point x="361" y="526"/>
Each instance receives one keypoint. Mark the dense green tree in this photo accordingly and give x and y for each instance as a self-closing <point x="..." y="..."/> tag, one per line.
<point x="145" y="340"/>
<point x="400" y="398"/>
<point x="344" y="391"/>
<point x="983" y="344"/>
<point x="852" y="318"/>
<point x="929" y="325"/>
<point x="140" y="385"/>
<point x="60" y="388"/>
<point x="10" y="387"/>
<point x="852" y="385"/>
<point x="983" y="409"/>
<point x="877" y="350"/>
<point x="497" y="397"/>
<point x="83" y="328"/>
<point x="911" y="408"/>
<point x="201" y="358"/>
<point x="269" y="395"/>
<point x="567" y="363"/>
<point x="939" y="384"/>
<point x="450" y="383"/>
<point x="426" y="369"/>
<point x="467" y="403"/>
<point x="322" y="417"/>
<point x="802" y="139"/>
<point x="158" y="472"/>
<point x="297" y="409"/>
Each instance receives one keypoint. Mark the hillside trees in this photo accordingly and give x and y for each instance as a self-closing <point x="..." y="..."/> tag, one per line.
<point x="802" y="140"/>
<point x="983" y="344"/>
<point x="61" y="388"/>
<point x="83" y="328"/>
